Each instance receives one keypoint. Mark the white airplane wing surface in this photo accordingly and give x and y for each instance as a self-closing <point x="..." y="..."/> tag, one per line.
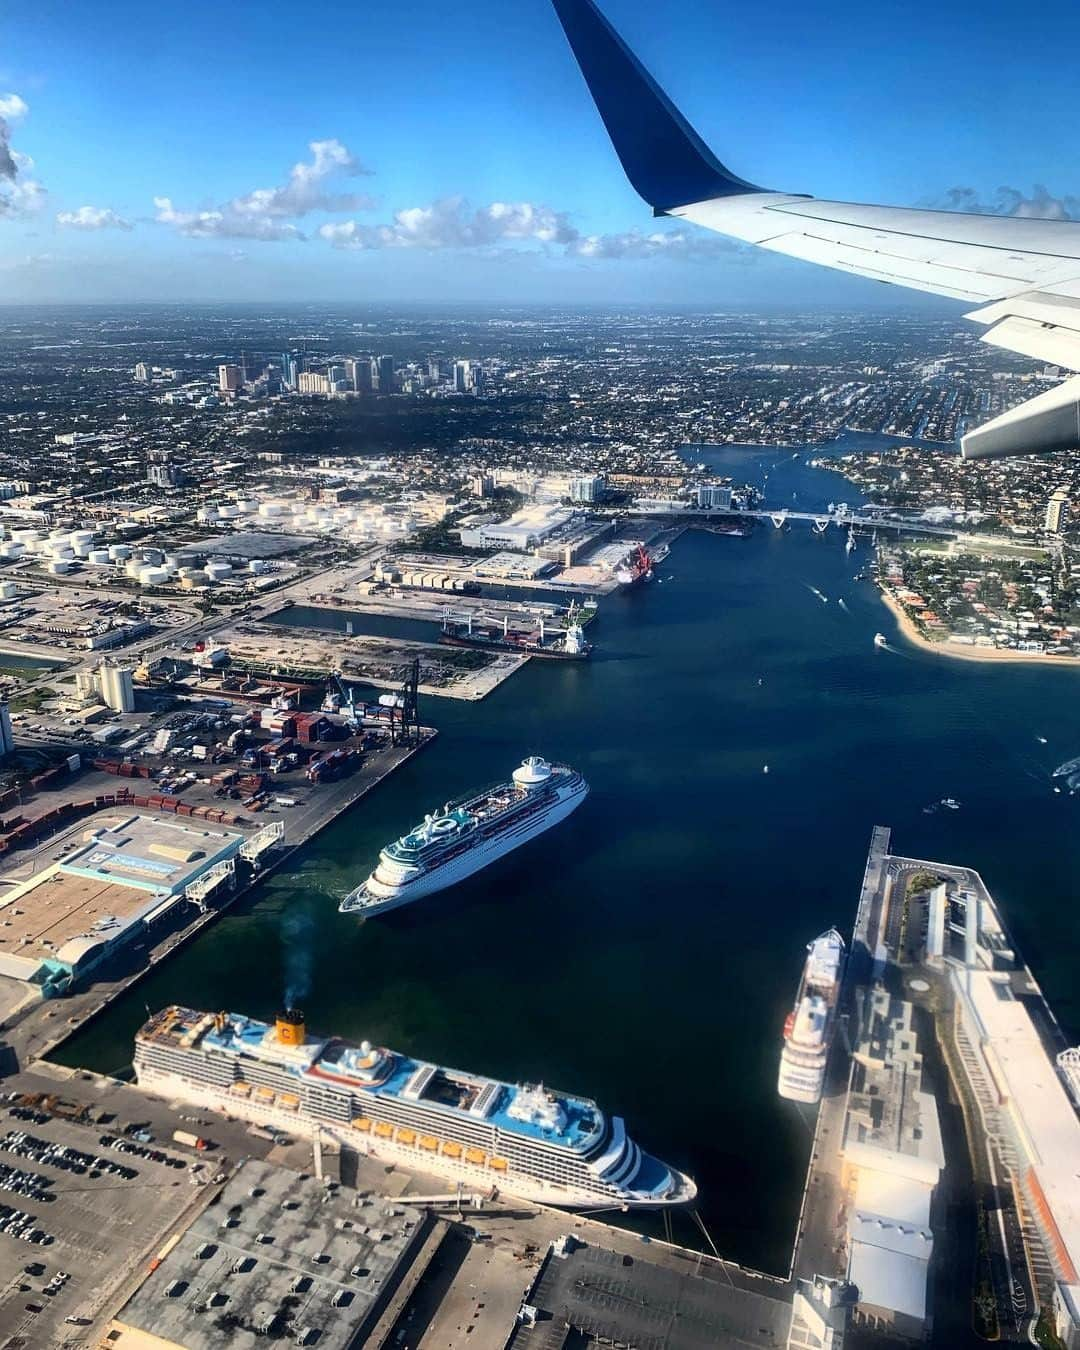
<point x="1023" y="274"/>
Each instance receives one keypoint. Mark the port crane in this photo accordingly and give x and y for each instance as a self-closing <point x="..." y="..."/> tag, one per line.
<point x="340" y="698"/>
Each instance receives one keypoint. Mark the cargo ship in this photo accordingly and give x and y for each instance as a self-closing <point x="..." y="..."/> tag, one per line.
<point x="568" y="644"/>
<point x="468" y="835"/>
<point x="635" y="570"/>
<point x="808" y="1030"/>
<point x="527" y="1140"/>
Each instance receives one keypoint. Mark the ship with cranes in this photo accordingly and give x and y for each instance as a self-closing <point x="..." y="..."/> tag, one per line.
<point x="635" y="569"/>
<point x="552" y="1148"/>
<point x="468" y="835"/>
<point x="808" y="1030"/>
<point x="557" y="644"/>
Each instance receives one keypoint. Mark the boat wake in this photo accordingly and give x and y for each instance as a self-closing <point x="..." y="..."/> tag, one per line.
<point x="1070" y="772"/>
<point x="945" y="804"/>
<point x="814" y="590"/>
<point x="843" y="605"/>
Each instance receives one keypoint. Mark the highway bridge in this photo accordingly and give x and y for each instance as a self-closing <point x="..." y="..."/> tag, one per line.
<point x="819" y="520"/>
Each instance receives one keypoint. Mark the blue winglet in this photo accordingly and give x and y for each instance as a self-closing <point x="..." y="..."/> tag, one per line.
<point x="665" y="159"/>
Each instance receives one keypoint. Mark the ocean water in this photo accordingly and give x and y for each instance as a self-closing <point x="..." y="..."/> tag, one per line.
<point x="645" y="952"/>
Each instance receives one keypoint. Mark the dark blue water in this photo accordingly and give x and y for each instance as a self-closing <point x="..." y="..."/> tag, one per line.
<point x="645" y="953"/>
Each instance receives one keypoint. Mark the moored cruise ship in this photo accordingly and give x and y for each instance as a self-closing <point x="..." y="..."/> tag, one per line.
<point x="468" y="835"/>
<point x="809" y="1028"/>
<point x="526" y="1140"/>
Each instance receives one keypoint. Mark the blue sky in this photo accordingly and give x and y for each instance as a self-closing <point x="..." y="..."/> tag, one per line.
<point x="150" y="128"/>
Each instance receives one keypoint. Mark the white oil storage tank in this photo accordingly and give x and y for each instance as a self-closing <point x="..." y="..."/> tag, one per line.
<point x="99" y="557"/>
<point x="12" y="549"/>
<point x="217" y="571"/>
<point x="153" y="576"/>
<point x="119" y="552"/>
<point x="8" y="590"/>
<point x="59" y="567"/>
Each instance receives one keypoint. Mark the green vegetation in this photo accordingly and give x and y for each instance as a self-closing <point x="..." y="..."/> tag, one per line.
<point x="923" y="881"/>
<point x="984" y="1310"/>
<point x="1045" y="1334"/>
<point x="31" y="700"/>
<point x="22" y="672"/>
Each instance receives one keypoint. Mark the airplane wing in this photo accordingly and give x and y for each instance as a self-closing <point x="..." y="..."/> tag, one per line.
<point x="1024" y="274"/>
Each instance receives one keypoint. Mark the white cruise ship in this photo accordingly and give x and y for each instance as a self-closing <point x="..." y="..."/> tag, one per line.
<point x="809" y="1028"/>
<point x="526" y="1140"/>
<point x="468" y="835"/>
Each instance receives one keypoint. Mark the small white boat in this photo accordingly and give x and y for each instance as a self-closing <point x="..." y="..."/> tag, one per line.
<point x="880" y="640"/>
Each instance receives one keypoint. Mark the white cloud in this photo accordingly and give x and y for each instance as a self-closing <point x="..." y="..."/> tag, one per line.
<point x="12" y="107"/>
<point x="264" y="213"/>
<point x="19" y="195"/>
<point x="453" y="224"/>
<point x="1010" y="201"/>
<point x="92" y="218"/>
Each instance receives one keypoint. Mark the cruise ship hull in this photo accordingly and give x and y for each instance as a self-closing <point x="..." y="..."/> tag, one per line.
<point x="413" y="1157"/>
<point x="366" y="903"/>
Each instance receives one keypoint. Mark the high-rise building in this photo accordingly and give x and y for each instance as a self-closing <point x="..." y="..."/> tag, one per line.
<point x="338" y="379"/>
<point x="117" y="687"/>
<point x="434" y="369"/>
<point x="229" y="379"/>
<point x="290" y="369"/>
<point x="712" y="495"/>
<point x="164" y="475"/>
<point x="144" y="373"/>
<point x="363" y="374"/>
<point x="311" y="382"/>
<point x="587" y="488"/>
<point x="481" y="484"/>
<point x="386" y="375"/>
<point x="462" y="377"/>
<point x="1057" y="509"/>
<point x="7" y="736"/>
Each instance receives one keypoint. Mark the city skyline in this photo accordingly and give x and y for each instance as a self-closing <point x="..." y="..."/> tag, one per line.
<point x="143" y="167"/>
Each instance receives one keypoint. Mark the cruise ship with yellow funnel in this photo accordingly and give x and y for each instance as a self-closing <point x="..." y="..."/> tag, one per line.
<point x="526" y="1140"/>
<point x="468" y="835"/>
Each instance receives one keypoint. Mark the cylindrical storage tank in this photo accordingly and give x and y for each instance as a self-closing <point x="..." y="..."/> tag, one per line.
<point x="153" y="557"/>
<point x="270" y="510"/>
<point x="186" y="573"/>
<point x="62" y="551"/>
<point x="217" y="570"/>
<point x="12" y="549"/>
<point x="8" y="590"/>
<point x="58" y="536"/>
<point x="26" y="536"/>
<point x="119" y="552"/>
<point x="229" y="512"/>
<point x="206" y="513"/>
<point x="133" y="567"/>
<point x="60" y="567"/>
<point x="99" y="557"/>
<point x="82" y="537"/>
<point x="246" y="505"/>
<point x="171" y="561"/>
<point x="257" y="567"/>
<point x="153" y="576"/>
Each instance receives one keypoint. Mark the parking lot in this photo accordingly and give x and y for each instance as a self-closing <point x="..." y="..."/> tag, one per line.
<point x="86" y="1207"/>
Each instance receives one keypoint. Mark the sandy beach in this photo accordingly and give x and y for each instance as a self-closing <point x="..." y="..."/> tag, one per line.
<point x="960" y="651"/>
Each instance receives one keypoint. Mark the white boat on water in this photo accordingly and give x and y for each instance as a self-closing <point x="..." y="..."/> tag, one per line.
<point x="809" y="1028"/>
<point x="880" y="640"/>
<point x="468" y="835"/>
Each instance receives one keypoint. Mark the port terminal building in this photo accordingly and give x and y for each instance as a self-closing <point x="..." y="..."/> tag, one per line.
<point x="281" y="1259"/>
<point x="1024" y="1084"/>
<point x="125" y="875"/>
<point x="893" y="1156"/>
